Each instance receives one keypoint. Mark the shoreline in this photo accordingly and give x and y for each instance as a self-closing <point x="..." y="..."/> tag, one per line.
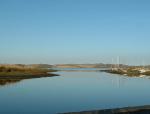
<point x="128" y="72"/>
<point x="126" y="110"/>
<point x="4" y="80"/>
<point x="14" y="73"/>
<point x="26" y="76"/>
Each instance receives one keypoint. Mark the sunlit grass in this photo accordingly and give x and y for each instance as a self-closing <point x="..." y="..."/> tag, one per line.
<point x="14" y="70"/>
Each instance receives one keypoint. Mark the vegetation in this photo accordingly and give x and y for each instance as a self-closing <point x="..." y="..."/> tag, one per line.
<point x="132" y="72"/>
<point x="147" y="73"/>
<point x="115" y="71"/>
<point x="15" y="73"/>
<point x="19" y="71"/>
<point x="129" y="72"/>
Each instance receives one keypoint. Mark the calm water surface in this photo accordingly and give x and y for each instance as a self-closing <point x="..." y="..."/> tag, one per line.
<point x="74" y="91"/>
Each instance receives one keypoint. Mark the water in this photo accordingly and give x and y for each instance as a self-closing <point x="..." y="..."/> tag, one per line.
<point x="73" y="91"/>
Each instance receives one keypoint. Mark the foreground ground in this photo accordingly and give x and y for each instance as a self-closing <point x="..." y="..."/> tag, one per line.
<point x="127" y="110"/>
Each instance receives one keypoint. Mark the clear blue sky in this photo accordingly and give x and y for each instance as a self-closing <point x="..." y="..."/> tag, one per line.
<point x="74" y="31"/>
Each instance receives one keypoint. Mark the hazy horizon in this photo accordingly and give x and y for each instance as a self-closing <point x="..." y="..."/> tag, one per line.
<point x="74" y="31"/>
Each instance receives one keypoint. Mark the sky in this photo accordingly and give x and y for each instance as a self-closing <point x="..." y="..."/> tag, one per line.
<point x="74" y="31"/>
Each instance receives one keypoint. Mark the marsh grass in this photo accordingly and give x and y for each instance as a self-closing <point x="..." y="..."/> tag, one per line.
<point x="147" y="73"/>
<point x="15" y="73"/>
<point x="22" y="70"/>
<point x="129" y="72"/>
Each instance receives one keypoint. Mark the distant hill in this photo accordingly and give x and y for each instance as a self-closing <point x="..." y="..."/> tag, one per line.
<point x="97" y="65"/>
<point x="40" y="65"/>
<point x="100" y="65"/>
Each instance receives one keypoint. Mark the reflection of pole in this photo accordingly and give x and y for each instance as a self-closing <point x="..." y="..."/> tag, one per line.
<point x="119" y="81"/>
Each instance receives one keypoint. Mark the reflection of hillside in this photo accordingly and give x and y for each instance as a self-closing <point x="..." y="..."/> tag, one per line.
<point x="8" y="81"/>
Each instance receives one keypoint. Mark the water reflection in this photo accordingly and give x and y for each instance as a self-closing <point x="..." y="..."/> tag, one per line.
<point x="8" y="81"/>
<point x="118" y="81"/>
<point x="122" y="81"/>
<point x="74" y="92"/>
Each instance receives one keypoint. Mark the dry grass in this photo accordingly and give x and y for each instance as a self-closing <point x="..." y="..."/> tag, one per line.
<point x="22" y="70"/>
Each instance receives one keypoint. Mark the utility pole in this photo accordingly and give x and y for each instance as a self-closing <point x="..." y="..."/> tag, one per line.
<point x="118" y="61"/>
<point x="143" y="64"/>
<point x="112" y="60"/>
